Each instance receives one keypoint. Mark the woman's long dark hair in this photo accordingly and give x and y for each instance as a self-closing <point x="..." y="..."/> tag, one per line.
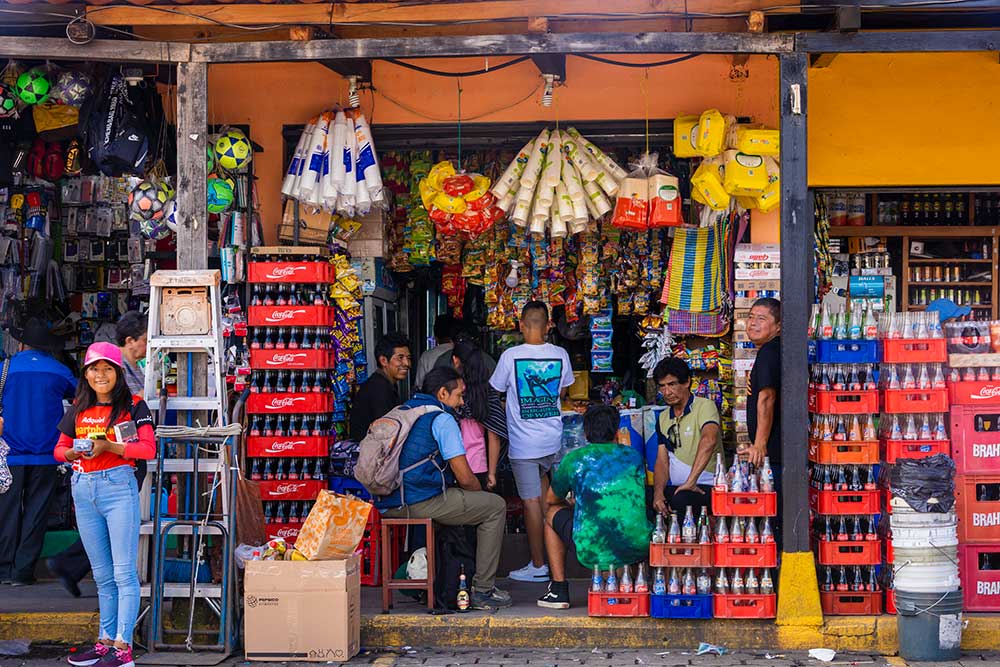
<point x="121" y="397"/>
<point x="476" y="379"/>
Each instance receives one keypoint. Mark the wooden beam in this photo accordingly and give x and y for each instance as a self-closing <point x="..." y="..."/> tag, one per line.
<point x="796" y="297"/>
<point x="345" y="13"/>
<point x="192" y="169"/>
<point x="820" y="60"/>
<point x="493" y="45"/>
<point x="57" y="48"/>
<point x="898" y="41"/>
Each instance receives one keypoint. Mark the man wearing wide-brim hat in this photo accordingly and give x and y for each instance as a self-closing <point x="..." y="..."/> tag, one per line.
<point x="32" y="397"/>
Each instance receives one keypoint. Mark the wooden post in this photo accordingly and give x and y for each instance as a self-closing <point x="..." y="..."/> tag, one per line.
<point x="192" y="174"/>
<point x="798" y="602"/>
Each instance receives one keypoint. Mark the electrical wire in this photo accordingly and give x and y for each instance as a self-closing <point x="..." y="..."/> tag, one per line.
<point x="436" y="119"/>
<point x="621" y="63"/>
<point x="427" y="70"/>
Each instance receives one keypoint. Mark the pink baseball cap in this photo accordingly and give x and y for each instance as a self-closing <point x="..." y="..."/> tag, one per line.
<point x="103" y="351"/>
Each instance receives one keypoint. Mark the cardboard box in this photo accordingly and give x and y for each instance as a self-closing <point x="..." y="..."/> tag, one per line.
<point x="758" y="274"/>
<point x="743" y="364"/>
<point x="302" y="610"/>
<point x="757" y="285"/>
<point x="758" y="252"/>
<point x="745" y="353"/>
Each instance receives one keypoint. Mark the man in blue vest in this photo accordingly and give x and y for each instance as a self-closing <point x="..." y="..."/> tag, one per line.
<point x="428" y="490"/>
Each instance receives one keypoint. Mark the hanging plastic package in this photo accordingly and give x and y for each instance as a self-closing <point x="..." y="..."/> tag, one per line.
<point x="745" y="174"/>
<point x="533" y="168"/>
<point x="314" y="162"/>
<point x="686" y="136"/>
<point x="632" y="202"/>
<point x="664" y="194"/>
<point x="613" y="173"/>
<point x="348" y="194"/>
<point x="769" y="199"/>
<point x="329" y="189"/>
<point x="711" y="133"/>
<point x="337" y="167"/>
<point x="511" y="177"/>
<point x="297" y="164"/>
<point x="755" y="139"/>
<point x="707" y="185"/>
<point x="367" y="164"/>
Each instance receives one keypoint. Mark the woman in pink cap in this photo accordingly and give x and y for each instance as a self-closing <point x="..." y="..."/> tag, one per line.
<point x="106" y="495"/>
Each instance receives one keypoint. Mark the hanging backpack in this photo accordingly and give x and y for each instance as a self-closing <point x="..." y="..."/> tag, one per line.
<point x="116" y="130"/>
<point x="378" y="457"/>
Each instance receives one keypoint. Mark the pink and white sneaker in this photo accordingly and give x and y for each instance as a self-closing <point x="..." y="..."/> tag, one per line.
<point x="89" y="657"/>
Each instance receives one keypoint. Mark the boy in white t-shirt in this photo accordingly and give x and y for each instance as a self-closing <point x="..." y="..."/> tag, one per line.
<point x="534" y="376"/>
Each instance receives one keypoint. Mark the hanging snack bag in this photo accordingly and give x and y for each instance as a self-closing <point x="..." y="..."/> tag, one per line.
<point x="769" y="199"/>
<point x="632" y="202"/>
<point x="707" y="185"/>
<point x="664" y="198"/>
<point x="711" y="133"/>
<point x="686" y="136"/>
<point x="755" y="139"/>
<point x="745" y="174"/>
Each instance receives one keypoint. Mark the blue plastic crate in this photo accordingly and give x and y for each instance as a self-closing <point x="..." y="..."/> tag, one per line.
<point x="349" y="486"/>
<point x="680" y="606"/>
<point x="848" y="352"/>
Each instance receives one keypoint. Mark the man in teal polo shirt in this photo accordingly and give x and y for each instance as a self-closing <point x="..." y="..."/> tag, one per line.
<point x="689" y="435"/>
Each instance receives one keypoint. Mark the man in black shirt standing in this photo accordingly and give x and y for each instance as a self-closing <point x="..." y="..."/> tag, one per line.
<point x="379" y="394"/>
<point x="763" y="403"/>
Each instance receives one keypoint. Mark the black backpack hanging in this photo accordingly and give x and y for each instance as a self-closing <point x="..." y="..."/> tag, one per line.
<point x="116" y="130"/>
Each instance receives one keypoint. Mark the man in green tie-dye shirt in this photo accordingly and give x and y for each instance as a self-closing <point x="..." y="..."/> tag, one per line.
<point x="606" y="517"/>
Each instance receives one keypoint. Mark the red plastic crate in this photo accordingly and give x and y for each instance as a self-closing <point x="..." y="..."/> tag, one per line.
<point x="832" y="452"/>
<point x="986" y="393"/>
<point x="890" y="602"/>
<point x="740" y="554"/>
<point x="291" y="489"/>
<point x="293" y="446"/>
<point x="978" y="520"/>
<point x="626" y="604"/>
<point x="283" y="359"/>
<point x="975" y="440"/>
<point x="745" y="606"/>
<point x="371" y="556"/>
<point x="290" y="316"/>
<point x="846" y="402"/>
<point x="844" y="502"/>
<point x="980" y="587"/>
<point x="906" y="401"/>
<point x="290" y="272"/>
<point x="886" y="501"/>
<point x="272" y="404"/>
<point x="680" y="555"/>
<point x="850" y="553"/>
<point x="286" y="531"/>
<point x="725" y="503"/>
<point x="893" y="450"/>
<point x="842" y="603"/>
<point x="932" y="350"/>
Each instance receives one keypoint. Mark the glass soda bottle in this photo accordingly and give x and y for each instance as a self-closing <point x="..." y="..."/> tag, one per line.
<point x="659" y="533"/>
<point x="659" y="582"/>
<point x="597" y="580"/>
<point x="641" y="586"/>
<point x="689" y="530"/>
<point x="674" y="532"/>
<point x="462" y="599"/>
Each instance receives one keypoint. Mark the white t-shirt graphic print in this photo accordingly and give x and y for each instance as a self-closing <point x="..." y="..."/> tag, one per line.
<point x="533" y="377"/>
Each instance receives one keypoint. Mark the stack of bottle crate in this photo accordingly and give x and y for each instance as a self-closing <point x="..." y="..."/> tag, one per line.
<point x="291" y="396"/>
<point x="744" y="551"/>
<point x="680" y="557"/>
<point x="843" y="451"/>
<point x="974" y="391"/>
<point x="619" y="594"/>
<point x="914" y="402"/>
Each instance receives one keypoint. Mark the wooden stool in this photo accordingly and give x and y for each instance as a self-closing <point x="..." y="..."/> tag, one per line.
<point x="389" y="582"/>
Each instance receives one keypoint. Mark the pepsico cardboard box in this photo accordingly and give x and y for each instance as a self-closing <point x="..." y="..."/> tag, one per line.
<point x="302" y="610"/>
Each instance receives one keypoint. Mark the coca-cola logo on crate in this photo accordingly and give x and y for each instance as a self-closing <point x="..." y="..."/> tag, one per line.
<point x="283" y="315"/>
<point x="986" y="392"/>
<point x="287" y="532"/>
<point x="286" y="402"/>
<point x="278" y="447"/>
<point x="286" y="489"/>
<point x="281" y="359"/>
<point x="284" y="271"/>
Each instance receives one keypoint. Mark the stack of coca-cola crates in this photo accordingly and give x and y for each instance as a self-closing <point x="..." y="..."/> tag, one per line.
<point x="914" y="402"/>
<point x="291" y="396"/>
<point x="744" y="503"/>
<point x="843" y="451"/>
<point x="974" y="388"/>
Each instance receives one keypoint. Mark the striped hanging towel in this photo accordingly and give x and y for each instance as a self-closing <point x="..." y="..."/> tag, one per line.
<point x="698" y="269"/>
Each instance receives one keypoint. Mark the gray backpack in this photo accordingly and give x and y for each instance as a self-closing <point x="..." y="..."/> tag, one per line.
<point x="378" y="458"/>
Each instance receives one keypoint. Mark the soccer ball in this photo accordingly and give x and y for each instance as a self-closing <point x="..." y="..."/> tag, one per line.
<point x="170" y="215"/>
<point x="220" y="195"/>
<point x="233" y="150"/>
<point x="210" y="160"/>
<point x="154" y="229"/>
<point x="146" y="201"/>
<point x="72" y="88"/>
<point x="33" y="86"/>
<point x="168" y="189"/>
<point x="8" y="101"/>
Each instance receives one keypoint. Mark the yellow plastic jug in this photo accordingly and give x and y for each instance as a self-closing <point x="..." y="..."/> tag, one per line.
<point x="745" y="174"/>
<point x="685" y="136"/>
<point x="707" y="180"/>
<point x="711" y="133"/>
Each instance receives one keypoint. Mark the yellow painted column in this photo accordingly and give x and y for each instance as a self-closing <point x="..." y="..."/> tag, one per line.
<point x="798" y="591"/>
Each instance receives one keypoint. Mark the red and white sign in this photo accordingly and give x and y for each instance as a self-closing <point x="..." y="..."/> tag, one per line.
<point x="290" y="446"/>
<point x="289" y="403"/>
<point x="290" y="490"/>
<point x="286" y="531"/>
<point x="975" y="393"/>
<point x="291" y="272"/>
<point x="277" y="359"/>
<point x="290" y="316"/>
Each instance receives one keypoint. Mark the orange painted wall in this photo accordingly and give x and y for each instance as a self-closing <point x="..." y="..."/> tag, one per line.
<point x="270" y="95"/>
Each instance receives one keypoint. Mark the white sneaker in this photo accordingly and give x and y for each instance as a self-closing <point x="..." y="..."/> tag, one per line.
<point x="530" y="573"/>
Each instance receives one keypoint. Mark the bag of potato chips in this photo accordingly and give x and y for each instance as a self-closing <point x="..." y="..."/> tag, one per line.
<point x="334" y="527"/>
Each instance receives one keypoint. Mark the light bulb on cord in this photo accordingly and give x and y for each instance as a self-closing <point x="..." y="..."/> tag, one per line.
<point x="353" y="96"/>
<point x="550" y="82"/>
<point x="511" y="280"/>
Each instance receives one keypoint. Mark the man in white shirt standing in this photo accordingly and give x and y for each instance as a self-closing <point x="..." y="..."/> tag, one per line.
<point x="534" y="377"/>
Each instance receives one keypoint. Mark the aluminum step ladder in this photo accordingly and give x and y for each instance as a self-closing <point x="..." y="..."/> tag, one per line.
<point x="200" y="455"/>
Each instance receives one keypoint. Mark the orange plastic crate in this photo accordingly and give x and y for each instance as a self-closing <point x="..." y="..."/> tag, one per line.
<point x="932" y="350"/>
<point x="830" y="452"/>
<point x="842" y="603"/>
<point x="680" y="555"/>
<point x="850" y="553"/>
<point x="626" y="604"/>
<point x="745" y="606"/>
<point x="830" y="402"/>
<point x="907" y="401"/>
<point x="893" y="450"/>
<point x="725" y="503"/>
<point x="740" y="554"/>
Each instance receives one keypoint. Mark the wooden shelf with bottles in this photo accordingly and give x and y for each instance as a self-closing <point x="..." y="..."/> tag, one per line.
<point x="984" y="293"/>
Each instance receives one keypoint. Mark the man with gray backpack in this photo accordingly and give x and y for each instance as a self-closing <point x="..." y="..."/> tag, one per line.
<point x="411" y="460"/>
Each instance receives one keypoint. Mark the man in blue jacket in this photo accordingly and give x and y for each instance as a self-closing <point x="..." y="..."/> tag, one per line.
<point x="32" y="407"/>
<point x="428" y="490"/>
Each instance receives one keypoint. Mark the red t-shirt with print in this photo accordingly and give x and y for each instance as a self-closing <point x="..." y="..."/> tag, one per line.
<point x="96" y="420"/>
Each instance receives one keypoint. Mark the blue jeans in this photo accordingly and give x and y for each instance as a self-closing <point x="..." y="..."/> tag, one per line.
<point x="107" y="515"/>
